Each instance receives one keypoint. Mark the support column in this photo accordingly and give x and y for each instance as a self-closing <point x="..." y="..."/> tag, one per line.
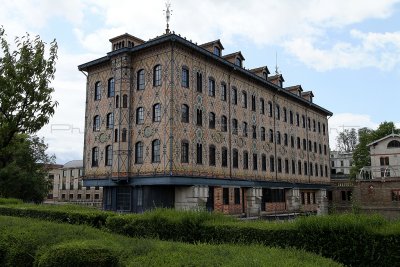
<point x="254" y="195"/>
<point x="191" y="197"/>
<point x="293" y="200"/>
<point x="322" y="201"/>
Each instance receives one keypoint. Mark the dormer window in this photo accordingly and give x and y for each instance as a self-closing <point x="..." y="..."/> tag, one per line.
<point x="265" y="75"/>
<point x="217" y="51"/>
<point x="238" y="62"/>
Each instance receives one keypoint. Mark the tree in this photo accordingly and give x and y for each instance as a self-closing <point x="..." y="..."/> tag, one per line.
<point x="361" y="155"/>
<point x="347" y="140"/>
<point x="25" y="93"/>
<point x="24" y="176"/>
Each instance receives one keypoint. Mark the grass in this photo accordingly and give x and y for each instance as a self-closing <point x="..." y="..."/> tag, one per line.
<point x="25" y="241"/>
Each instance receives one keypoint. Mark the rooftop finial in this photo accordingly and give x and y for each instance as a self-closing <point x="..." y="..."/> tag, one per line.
<point x="276" y="63"/>
<point x="168" y="14"/>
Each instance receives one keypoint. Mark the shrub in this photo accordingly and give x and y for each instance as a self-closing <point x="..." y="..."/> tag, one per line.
<point x="4" y="201"/>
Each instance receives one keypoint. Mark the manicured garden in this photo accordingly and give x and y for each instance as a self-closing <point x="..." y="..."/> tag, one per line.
<point x="354" y="240"/>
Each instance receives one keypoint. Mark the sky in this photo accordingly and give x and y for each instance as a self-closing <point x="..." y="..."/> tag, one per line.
<point x="346" y="51"/>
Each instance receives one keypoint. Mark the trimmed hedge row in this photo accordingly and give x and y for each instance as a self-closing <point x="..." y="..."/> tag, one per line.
<point x="32" y="242"/>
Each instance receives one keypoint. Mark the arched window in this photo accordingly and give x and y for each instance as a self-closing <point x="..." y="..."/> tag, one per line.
<point x="199" y="82"/>
<point x="185" y="113"/>
<point x="262" y="110"/>
<point x="95" y="157"/>
<point x="185" y="77"/>
<point x="185" y="151"/>
<point x="224" y="124"/>
<point x="255" y="162"/>
<point x="284" y="115"/>
<point x="235" y="158"/>
<point x="271" y="136"/>
<point x="211" y="87"/>
<point x="140" y="79"/>
<point x="211" y="120"/>
<point x="224" y="156"/>
<point x="97" y="91"/>
<point x="393" y="144"/>
<point x="108" y="156"/>
<point x="234" y="126"/>
<point x="223" y="91"/>
<point x="254" y="132"/>
<point x="299" y="167"/>
<point x="157" y="112"/>
<point x="263" y="162"/>
<point x="110" y="121"/>
<point x="285" y="139"/>
<point x="244" y="129"/>
<point x="245" y="160"/>
<point x="234" y="96"/>
<point x="111" y="88"/>
<point x="123" y="135"/>
<point x="278" y="137"/>
<point x="139" y="152"/>
<point x="244" y="99"/>
<point x="279" y="165"/>
<point x="262" y="134"/>
<point x="157" y="75"/>
<point x="269" y="109"/>
<point x="272" y="163"/>
<point x="199" y="117"/>
<point x="139" y="115"/>
<point x="116" y="135"/>
<point x="211" y="155"/>
<point x="199" y="153"/>
<point x="155" y="151"/>
<point x="96" y="123"/>
<point x="277" y="112"/>
<point x="124" y="101"/>
<point x="117" y="101"/>
<point x="298" y="143"/>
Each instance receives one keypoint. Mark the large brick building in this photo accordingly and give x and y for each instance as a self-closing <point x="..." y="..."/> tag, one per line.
<point x="174" y="124"/>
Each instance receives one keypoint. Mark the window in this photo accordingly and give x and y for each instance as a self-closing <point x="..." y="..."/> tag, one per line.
<point x="285" y="139"/>
<point x="325" y="150"/>
<point x="272" y="163"/>
<point x="97" y="91"/>
<point x="157" y="112"/>
<point x="271" y="136"/>
<point x="284" y="115"/>
<point x="304" y="144"/>
<point x="311" y="169"/>
<point x="279" y="165"/>
<point x="110" y="121"/>
<point x="238" y="62"/>
<point x="211" y="87"/>
<point x="225" y="196"/>
<point x="108" y="155"/>
<point x="224" y="156"/>
<point x="223" y="91"/>
<point x="217" y="51"/>
<point x="298" y="143"/>
<point x="185" y="151"/>
<point x="320" y="148"/>
<point x="262" y="111"/>
<point x="211" y="155"/>
<point x="269" y="109"/>
<point x="96" y="123"/>
<point x="314" y="126"/>
<point x="277" y="112"/>
<point x="286" y="166"/>
<point x="139" y="152"/>
<point x="140" y="79"/>
<point x="255" y="167"/>
<point x="157" y="75"/>
<point x="323" y="128"/>
<point x="319" y="127"/>
<point x="245" y="129"/>
<point x="346" y="195"/>
<point x="117" y="101"/>
<point x="309" y="123"/>
<point x="244" y="99"/>
<point x="303" y="121"/>
<point x="299" y="167"/>
<point x="199" y="154"/>
<point x="263" y="162"/>
<point x="199" y="120"/>
<point x="185" y="77"/>
<point x="234" y="96"/>
<point x="95" y="157"/>
<point x="211" y="120"/>
<point x="234" y="126"/>
<point x="291" y="117"/>
<point x="315" y="147"/>
<point x="326" y="171"/>
<point x="292" y="141"/>
<point x="316" y="170"/>
<point x="396" y="195"/>
<point x="111" y="88"/>
<point x="199" y="82"/>
<point x="262" y="134"/>
<point x="124" y="101"/>
<point x="245" y="160"/>
<point x="236" y="194"/>
<point x="224" y="124"/>
<point x="393" y="144"/>
<point x="155" y="151"/>
<point x="253" y="103"/>
<point x="278" y="137"/>
<point x="139" y="115"/>
<point x="305" y="168"/>
<point x="235" y="158"/>
<point x="185" y="113"/>
<point x="124" y="134"/>
<point x="297" y="119"/>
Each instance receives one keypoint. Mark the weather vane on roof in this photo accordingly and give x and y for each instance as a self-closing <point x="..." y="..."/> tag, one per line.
<point x="276" y="63"/>
<point x="168" y="14"/>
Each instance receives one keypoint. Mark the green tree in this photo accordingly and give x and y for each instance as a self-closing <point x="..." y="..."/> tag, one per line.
<point x="24" y="176"/>
<point x="361" y="155"/>
<point x="25" y="93"/>
<point x="347" y="140"/>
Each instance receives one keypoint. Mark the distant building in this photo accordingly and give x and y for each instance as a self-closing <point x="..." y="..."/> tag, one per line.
<point x="67" y="185"/>
<point x="340" y="164"/>
<point x="170" y="123"/>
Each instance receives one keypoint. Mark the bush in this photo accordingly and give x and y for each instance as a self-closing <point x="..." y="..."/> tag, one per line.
<point x="78" y="254"/>
<point x="4" y="201"/>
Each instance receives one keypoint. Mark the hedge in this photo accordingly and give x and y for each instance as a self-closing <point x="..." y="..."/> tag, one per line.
<point x="33" y="242"/>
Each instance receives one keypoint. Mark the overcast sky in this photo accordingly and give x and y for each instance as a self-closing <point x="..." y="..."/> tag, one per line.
<point x="346" y="51"/>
